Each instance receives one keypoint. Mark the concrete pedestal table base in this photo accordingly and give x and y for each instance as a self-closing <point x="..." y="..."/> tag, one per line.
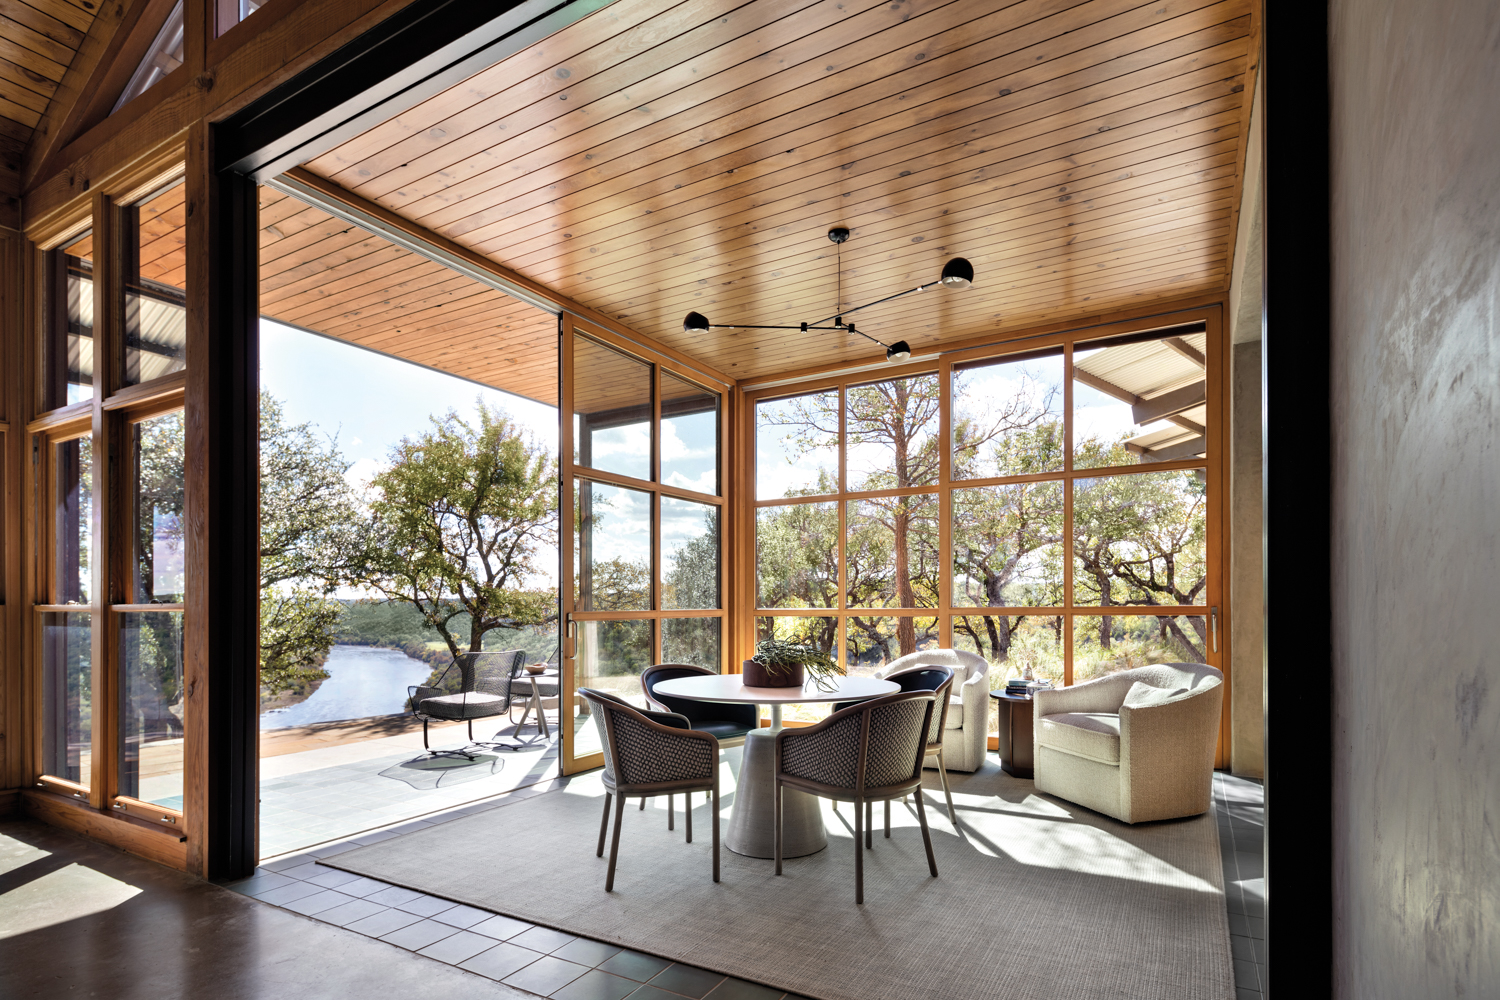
<point x="752" y="824"/>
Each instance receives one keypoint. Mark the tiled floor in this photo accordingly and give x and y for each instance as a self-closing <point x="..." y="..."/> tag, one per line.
<point x="334" y="793"/>
<point x="1239" y="805"/>
<point x="536" y="959"/>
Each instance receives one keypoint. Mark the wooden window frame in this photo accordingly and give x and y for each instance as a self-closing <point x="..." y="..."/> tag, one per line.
<point x="1215" y="464"/>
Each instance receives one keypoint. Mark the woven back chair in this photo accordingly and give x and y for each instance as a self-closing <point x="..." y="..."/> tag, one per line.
<point x="651" y="753"/>
<point x="475" y="686"/>
<point x="870" y="752"/>
<point x="938" y="680"/>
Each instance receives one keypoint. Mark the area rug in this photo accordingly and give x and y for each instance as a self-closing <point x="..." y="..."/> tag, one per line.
<point x="1036" y="899"/>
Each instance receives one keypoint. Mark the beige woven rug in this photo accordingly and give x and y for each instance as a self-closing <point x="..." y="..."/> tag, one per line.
<point x="1036" y="897"/>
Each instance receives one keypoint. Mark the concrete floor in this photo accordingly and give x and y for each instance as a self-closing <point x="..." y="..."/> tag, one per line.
<point x="81" y="919"/>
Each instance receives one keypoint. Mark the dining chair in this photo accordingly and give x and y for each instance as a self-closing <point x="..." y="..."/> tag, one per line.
<point x="650" y="753"/>
<point x="869" y="752"/>
<point x="938" y="680"/>
<point x="730" y="723"/>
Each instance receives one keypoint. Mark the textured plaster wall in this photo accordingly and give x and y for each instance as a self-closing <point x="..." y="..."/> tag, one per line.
<point x="1415" y="89"/>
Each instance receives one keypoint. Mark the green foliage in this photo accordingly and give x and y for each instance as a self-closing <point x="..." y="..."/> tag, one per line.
<point x="458" y="521"/>
<point x="312" y="537"/>
<point x="781" y="658"/>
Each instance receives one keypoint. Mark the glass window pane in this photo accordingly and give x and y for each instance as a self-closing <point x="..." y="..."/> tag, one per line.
<point x="892" y="552"/>
<point x="892" y="429"/>
<point x="689" y="555"/>
<point x="1008" y="416"/>
<point x="692" y="640"/>
<point x="1140" y="539"/>
<point x="1139" y="399"/>
<point x="1008" y="546"/>
<point x="1012" y="643"/>
<point x="157" y="447"/>
<point x="875" y="641"/>
<point x="151" y="707"/>
<point x="68" y="353"/>
<point x="689" y="435"/>
<point x="797" y="446"/>
<point x="164" y="55"/>
<point x="822" y="633"/>
<point x="611" y="548"/>
<point x="154" y="274"/>
<point x="611" y="410"/>
<point x="611" y="656"/>
<point x="73" y="496"/>
<point x="797" y="556"/>
<point x="1107" y="644"/>
<point x="67" y="696"/>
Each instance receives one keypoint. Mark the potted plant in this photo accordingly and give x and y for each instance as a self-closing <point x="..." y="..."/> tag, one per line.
<point x="778" y="663"/>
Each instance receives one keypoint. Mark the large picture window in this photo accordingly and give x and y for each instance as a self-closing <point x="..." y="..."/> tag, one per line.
<point x="1050" y="509"/>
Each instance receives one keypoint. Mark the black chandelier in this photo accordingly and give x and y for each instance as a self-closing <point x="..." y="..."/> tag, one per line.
<point x="957" y="273"/>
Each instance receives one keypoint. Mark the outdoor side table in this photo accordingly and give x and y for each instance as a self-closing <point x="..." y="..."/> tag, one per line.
<point x="536" y="702"/>
<point x="1016" y="751"/>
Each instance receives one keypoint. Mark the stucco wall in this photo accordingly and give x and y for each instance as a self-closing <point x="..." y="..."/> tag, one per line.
<point x="1415" y="143"/>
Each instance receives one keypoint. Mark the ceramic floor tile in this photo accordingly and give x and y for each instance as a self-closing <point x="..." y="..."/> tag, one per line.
<point x="543" y="939"/>
<point x="260" y="883"/>
<point x="649" y="992"/>
<point x="463" y="916"/>
<point x="393" y="896"/>
<point x="383" y="922"/>
<point x="501" y="928"/>
<point x="348" y="913"/>
<point x="325" y="899"/>
<point x="419" y="935"/>
<point x="500" y="961"/>
<point x="586" y="952"/>
<point x="333" y="878"/>
<point x="426" y="906"/>
<point x="304" y="872"/>
<point x="687" y="980"/>
<point x="545" y="976"/>
<point x="289" y="893"/>
<point x="634" y="965"/>
<point x="596" y="985"/>
<point x="1246" y="975"/>
<point x="457" y="948"/>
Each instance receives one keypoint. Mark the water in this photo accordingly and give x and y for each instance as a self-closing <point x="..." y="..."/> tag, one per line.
<point x="362" y="681"/>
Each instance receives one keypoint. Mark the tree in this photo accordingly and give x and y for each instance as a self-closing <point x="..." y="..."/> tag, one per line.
<point x="312" y="536"/>
<point x="457" y="523"/>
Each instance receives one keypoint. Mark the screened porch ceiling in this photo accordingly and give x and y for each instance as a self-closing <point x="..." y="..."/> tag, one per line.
<point x="646" y="162"/>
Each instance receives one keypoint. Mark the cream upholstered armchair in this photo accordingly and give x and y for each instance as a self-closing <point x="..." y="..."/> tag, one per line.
<point x="1137" y="745"/>
<point x="967" y="726"/>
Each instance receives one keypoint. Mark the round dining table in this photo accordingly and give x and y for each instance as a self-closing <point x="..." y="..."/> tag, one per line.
<point x="752" y="830"/>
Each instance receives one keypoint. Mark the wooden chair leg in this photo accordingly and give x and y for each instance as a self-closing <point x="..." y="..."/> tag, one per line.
<point x="687" y="813"/>
<point x="671" y="813"/>
<point x="869" y="824"/>
<point x="859" y="852"/>
<point x="887" y="819"/>
<point x="603" y="826"/>
<point x="643" y="803"/>
<point x="776" y="821"/>
<point x="614" y="844"/>
<point x="713" y="795"/>
<point x="926" y="837"/>
<point x="947" y="792"/>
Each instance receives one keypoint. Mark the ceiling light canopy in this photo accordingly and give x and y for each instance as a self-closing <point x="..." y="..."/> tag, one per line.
<point x="957" y="273"/>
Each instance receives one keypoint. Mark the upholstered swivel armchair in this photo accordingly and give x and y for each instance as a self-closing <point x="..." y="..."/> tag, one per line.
<point x="968" y="722"/>
<point x="1137" y="745"/>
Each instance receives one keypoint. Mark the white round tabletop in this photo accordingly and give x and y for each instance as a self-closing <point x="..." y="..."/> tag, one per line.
<point x="728" y="689"/>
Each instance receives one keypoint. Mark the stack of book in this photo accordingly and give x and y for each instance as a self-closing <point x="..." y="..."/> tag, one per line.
<point x="1022" y="688"/>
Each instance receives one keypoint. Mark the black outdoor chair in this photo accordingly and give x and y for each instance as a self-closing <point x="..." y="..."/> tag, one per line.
<point x="729" y="723"/>
<point x="475" y="686"/>
<point x="872" y="751"/>
<point x="650" y="753"/>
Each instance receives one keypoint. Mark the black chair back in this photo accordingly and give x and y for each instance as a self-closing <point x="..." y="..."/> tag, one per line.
<point x="694" y="711"/>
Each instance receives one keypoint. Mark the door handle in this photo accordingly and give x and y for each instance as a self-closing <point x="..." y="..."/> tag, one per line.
<point x="1213" y="627"/>
<point x="570" y="642"/>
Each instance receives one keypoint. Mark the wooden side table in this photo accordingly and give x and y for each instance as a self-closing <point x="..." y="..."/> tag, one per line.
<point x="1015" y="714"/>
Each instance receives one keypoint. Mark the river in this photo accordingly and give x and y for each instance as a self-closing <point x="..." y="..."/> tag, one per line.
<point x="362" y="681"/>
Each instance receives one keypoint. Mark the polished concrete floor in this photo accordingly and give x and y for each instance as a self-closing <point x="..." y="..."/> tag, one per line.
<point x="80" y="919"/>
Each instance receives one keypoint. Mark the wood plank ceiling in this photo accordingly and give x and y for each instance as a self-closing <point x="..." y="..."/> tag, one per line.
<point x="38" y="39"/>
<point x="652" y="160"/>
<point x="320" y="273"/>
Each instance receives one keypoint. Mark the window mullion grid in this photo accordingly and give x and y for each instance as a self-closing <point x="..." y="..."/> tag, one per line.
<point x="1067" y="533"/>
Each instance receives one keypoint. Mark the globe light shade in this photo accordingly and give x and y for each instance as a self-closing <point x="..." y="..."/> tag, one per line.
<point x="899" y="351"/>
<point x="695" y="321"/>
<point x="957" y="273"/>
